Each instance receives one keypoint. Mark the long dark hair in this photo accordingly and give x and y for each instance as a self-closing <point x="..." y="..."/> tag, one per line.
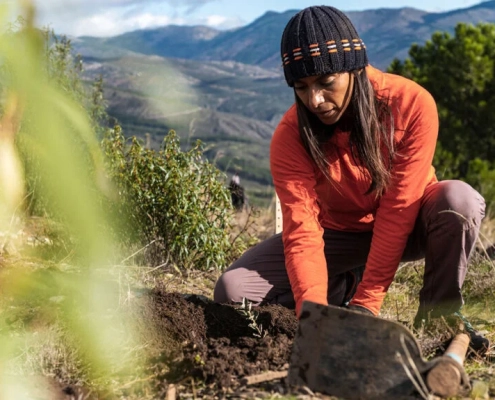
<point x="372" y="132"/>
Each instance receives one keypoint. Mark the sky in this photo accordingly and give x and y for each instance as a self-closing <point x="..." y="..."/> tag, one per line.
<point x="113" y="17"/>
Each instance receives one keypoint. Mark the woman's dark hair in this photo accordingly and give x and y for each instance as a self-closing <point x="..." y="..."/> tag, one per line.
<point x="372" y="131"/>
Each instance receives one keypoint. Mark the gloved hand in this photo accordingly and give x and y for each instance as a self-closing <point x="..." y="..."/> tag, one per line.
<point x="362" y="310"/>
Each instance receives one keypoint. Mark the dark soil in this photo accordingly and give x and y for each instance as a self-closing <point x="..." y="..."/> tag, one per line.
<point x="219" y="344"/>
<point x="206" y="350"/>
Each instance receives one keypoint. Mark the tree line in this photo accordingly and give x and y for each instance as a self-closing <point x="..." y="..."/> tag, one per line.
<point x="459" y="71"/>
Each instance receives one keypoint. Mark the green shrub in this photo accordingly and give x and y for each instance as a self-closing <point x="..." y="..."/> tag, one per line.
<point x="174" y="199"/>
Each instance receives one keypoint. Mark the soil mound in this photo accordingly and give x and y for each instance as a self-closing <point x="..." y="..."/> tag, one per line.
<point x="205" y="350"/>
<point x="195" y="341"/>
<point x="240" y="343"/>
<point x="219" y="344"/>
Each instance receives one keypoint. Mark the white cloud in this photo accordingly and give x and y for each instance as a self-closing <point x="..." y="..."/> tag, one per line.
<point x="191" y="5"/>
<point x="119" y="3"/>
<point x="112" y="17"/>
<point x="221" y="22"/>
<point x="110" y="24"/>
<point x="107" y="24"/>
<point x="216" y="20"/>
<point x="92" y="6"/>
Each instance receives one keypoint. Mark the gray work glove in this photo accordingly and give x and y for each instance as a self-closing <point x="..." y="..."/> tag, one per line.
<point x="360" y="309"/>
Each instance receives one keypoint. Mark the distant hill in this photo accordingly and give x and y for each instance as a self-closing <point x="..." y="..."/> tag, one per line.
<point x="227" y="88"/>
<point x="388" y="33"/>
<point x="232" y="108"/>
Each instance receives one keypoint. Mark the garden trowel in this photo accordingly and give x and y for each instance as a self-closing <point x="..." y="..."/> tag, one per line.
<point x="355" y="356"/>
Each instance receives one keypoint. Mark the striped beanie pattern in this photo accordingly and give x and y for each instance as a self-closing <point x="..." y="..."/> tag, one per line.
<point x="320" y="40"/>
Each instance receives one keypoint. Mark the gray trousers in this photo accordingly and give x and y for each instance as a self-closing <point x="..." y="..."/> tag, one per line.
<point x="445" y="240"/>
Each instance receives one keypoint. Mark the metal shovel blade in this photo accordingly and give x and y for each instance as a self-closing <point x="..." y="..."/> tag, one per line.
<point x="354" y="356"/>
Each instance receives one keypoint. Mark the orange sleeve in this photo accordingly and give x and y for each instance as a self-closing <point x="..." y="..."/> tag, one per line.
<point x="399" y="206"/>
<point x="293" y="175"/>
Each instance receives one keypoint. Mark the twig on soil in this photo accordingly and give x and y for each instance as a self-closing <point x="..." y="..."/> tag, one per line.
<point x="171" y="392"/>
<point x="139" y="251"/>
<point x="67" y="257"/>
<point x="264" y="377"/>
<point x="129" y="384"/>
<point x="158" y="267"/>
<point x="308" y="391"/>
<point x="448" y="327"/>
<point x="245" y="227"/>
<point x="193" y="388"/>
<point x="17" y="207"/>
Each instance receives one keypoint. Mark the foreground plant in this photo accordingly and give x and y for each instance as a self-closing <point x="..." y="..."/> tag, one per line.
<point x="46" y="131"/>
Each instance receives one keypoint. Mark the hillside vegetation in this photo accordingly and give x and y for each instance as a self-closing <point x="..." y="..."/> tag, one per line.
<point x="232" y="108"/>
<point x="228" y="95"/>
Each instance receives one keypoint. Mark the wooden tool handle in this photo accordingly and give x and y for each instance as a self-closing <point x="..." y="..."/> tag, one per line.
<point x="444" y="378"/>
<point x="458" y="348"/>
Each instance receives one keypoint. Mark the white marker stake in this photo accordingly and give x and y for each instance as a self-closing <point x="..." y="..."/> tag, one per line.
<point x="278" y="215"/>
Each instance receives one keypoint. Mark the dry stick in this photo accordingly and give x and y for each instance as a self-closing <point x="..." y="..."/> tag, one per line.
<point x="264" y="377"/>
<point x="161" y="265"/>
<point x="171" y="392"/>
<point x="397" y="309"/>
<point x="139" y="251"/>
<point x="12" y="218"/>
<point x="86" y="396"/>
<point x="449" y="328"/>
<point x="137" y="380"/>
<point x="245" y="227"/>
<point x="158" y="267"/>
<point x="308" y="391"/>
<point x="479" y="240"/>
<point x="193" y="387"/>
<point x="70" y="254"/>
<point x="17" y="207"/>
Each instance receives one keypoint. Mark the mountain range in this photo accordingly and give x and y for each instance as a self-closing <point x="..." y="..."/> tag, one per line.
<point x="226" y="87"/>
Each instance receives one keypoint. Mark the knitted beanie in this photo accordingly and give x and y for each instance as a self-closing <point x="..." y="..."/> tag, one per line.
<point x="320" y="40"/>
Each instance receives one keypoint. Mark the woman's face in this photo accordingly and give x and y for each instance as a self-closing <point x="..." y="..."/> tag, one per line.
<point x="327" y="96"/>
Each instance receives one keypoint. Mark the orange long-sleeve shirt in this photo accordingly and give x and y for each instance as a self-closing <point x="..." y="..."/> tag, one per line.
<point x="310" y="203"/>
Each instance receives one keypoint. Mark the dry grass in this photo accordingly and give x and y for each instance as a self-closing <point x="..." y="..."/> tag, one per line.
<point x="487" y="232"/>
<point x="479" y="294"/>
<point x="257" y="223"/>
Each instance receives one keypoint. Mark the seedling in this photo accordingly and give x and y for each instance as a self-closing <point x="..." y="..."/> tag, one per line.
<point x="246" y="310"/>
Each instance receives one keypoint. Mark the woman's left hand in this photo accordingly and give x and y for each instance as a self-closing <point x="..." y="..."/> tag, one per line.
<point x="359" y="309"/>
